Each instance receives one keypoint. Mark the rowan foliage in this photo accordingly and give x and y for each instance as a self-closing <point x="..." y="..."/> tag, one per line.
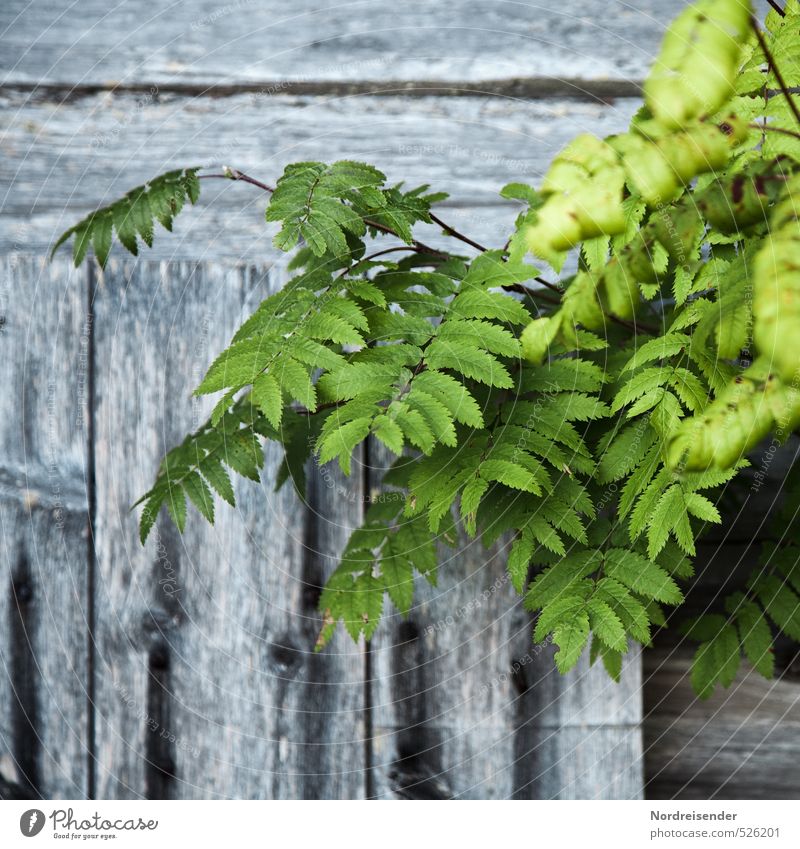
<point x="593" y="428"/>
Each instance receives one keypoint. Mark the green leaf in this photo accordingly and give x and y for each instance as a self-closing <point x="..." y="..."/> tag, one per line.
<point x="651" y="489"/>
<point x="538" y="337"/>
<point x="470" y="500"/>
<point x="267" y="396"/>
<point x="215" y="474"/>
<point x="398" y="576"/>
<point x="355" y="598"/>
<point x="435" y="413"/>
<point x="623" y="451"/>
<point x="480" y="334"/>
<point x="493" y="269"/>
<point x="754" y="633"/>
<point x="641" y="383"/>
<point x="558" y="580"/>
<point x="642" y="576"/>
<point x="630" y="611"/>
<point x="478" y="303"/>
<point x="612" y="661"/>
<point x="471" y="362"/>
<point x="716" y="661"/>
<point x="668" y="508"/>
<point x="519" y="558"/>
<point x="101" y="236"/>
<point x="152" y="506"/>
<point x="161" y="198"/>
<point x="295" y="381"/>
<point x="607" y="625"/>
<point x="415" y="427"/>
<point x="571" y="636"/>
<point x="658" y="349"/>
<point x="389" y="433"/>
<point x="510" y="474"/>
<point x="689" y="388"/>
<point x="200" y="495"/>
<point x="699" y="506"/>
<point x="176" y="505"/>
<point x="781" y="604"/>
<point x="341" y="442"/>
<point x="238" y="366"/>
<point x="462" y="406"/>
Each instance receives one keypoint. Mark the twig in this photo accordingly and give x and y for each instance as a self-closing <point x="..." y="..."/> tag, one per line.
<point x="304" y="411"/>
<point x="534" y="295"/>
<point x="778" y="75"/>
<point x="412" y="248"/>
<point x="235" y="174"/>
<point x="456" y="235"/>
<point x="777" y="8"/>
<point x="388" y="251"/>
<point x="770" y="128"/>
<point x="634" y="325"/>
<point x="531" y="293"/>
<point x="552" y="286"/>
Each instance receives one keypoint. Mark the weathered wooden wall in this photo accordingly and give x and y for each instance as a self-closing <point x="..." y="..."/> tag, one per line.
<point x="184" y="669"/>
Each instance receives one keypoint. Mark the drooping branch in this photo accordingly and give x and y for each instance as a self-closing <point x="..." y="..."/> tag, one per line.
<point x="235" y="174"/>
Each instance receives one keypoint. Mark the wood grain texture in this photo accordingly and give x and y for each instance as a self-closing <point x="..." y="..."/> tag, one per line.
<point x="206" y="685"/>
<point x="741" y="743"/>
<point x="465" y="706"/>
<point x="44" y="675"/>
<point x="60" y="162"/>
<point x="227" y="41"/>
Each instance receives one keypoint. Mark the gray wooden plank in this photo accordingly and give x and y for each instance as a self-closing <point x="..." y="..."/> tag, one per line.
<point x="576" y="762"/>
<point x="59" y="162"/>
<point x="207" y="42"/>
<point x="441" y="693"/>
<point x="582" y="731"/>
<point x="44" y="675"/>
<point x="741" y="743"/>
<point x="465" y="706"/>
<point x="206" y="681"/>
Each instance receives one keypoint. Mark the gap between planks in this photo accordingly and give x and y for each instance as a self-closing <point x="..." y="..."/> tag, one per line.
<point x="522" y="88"/>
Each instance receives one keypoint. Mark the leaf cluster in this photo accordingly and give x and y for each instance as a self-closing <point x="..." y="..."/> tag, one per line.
<point x="592" y="430"/>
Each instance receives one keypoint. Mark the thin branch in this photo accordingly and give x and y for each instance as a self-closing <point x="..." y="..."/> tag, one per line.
<point x="421" y="247"/>
<point x="771" y="129"/>
<point x="412" y="248"/>
<point x="304" y="411"/>
<point x="552" y="286"/>
<point x="235" y="174"/>
<point x="453" y="232"/>
<point x="634" y="325"/>
<point x="777" y="8"/>
<point x="456" y="235"/>
<point x="521" y="289"/>
<point x="776" y="70"/>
